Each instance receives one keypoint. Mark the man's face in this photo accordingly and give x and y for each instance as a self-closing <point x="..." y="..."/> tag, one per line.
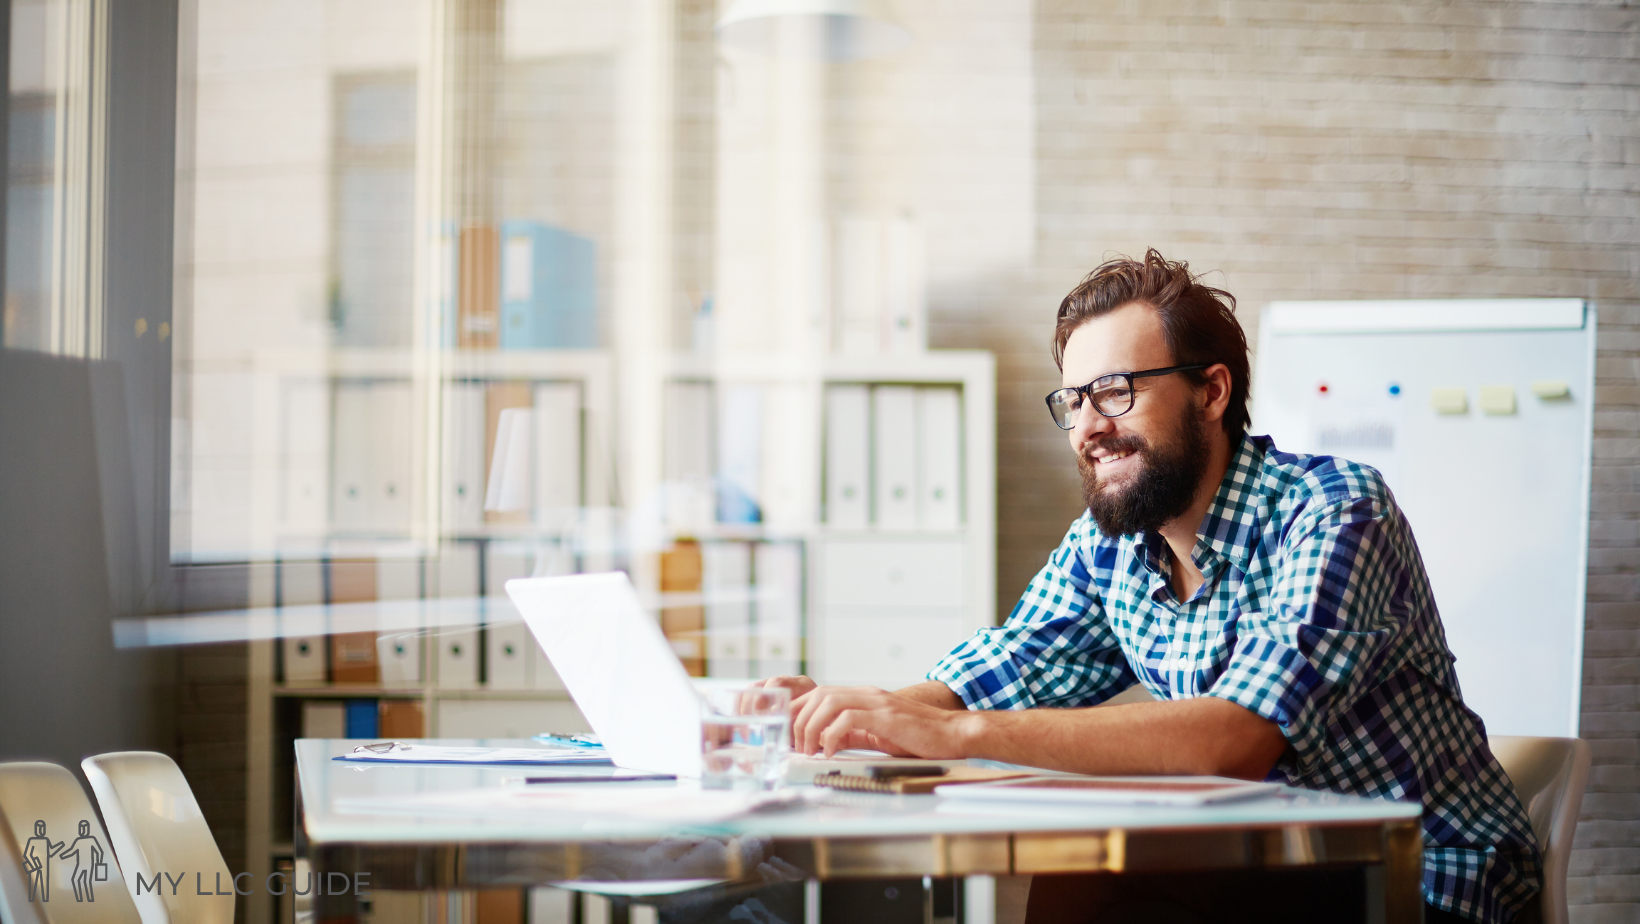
<point x="1141" y="469"/>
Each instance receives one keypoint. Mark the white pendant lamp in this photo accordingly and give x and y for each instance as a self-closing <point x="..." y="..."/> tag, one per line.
<point x="847" y="28"/>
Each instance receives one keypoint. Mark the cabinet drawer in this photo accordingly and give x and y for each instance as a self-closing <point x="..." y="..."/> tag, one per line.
<point x="884" y="647"/>
<point x="875" y="572"/>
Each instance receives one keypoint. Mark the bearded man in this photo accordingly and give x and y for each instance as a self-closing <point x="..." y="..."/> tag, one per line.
<point x="1274" y="605"/>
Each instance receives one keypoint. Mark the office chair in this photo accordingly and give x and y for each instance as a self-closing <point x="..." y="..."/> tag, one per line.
<point x="157" y="827"/>
<point x="43" y="810"/>
<point x="1549" y="775"/>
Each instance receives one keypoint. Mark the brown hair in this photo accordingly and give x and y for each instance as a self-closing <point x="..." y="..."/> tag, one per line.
<point x="1198" y="322"/>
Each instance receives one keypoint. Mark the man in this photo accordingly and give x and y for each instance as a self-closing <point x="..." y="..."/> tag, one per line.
<point x="1274" y="604"/>
<point x="88" y="855"/>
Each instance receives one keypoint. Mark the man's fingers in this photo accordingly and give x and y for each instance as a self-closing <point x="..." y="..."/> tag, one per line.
<point x="839" y="730"/>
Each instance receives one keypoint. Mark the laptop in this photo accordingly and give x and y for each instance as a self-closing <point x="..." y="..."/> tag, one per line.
<point x="623" y="674"/>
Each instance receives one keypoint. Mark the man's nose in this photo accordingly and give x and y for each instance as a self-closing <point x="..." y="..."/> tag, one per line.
<point x="1090" y="425"/>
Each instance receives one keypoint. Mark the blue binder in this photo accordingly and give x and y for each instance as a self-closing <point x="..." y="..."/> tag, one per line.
<point x="549" y="288"/>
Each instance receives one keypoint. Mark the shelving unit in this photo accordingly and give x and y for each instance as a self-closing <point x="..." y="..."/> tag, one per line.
<point x="933" y="585"/>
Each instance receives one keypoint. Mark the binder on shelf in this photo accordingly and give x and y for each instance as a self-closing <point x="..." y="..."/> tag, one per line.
<point x="848" y="459"/>
<point x="304" y="464"/>
<point x="549" y="288"/>
<point x="463" y="440"/>
<point x="458" y="658"/>
<point x="398" y="578"/>
<point x="507" y="643"/>
<point x="687" y="456"/>
<point x="353" y="654"/>
<point x="498" y="397"/>
<point x="857" y="285"/>
<point x="478" y="305"/>
<point x="777" y="609"/>
<point x="939" y="457"/>
<point x="324" y="718"/>
<point x="372" y="459"/>
<point x="361" y="719"/>
<point x="684" y="623"/>
<point x="557" y="435"/>
<point x="740" y="454"/>
<point x="351" y="474"/>
<point x="894" y="456"/>
<point x="904" y="307"/>
<point x="454" y="573"/>
<point x="352" y="580"/>
<point x="401" y="718"/>
<point x="392" y="457"/>
<point x="456" y="647"/>
<point x="726" y="578"/>
<point x="302" y="648"/>
<point x="399" y="654"/>
<point x="791" y="470"/>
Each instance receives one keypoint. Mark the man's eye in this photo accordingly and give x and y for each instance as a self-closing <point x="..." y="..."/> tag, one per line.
<point x="1072" y="400"/>
<point x="1118" y="393"/>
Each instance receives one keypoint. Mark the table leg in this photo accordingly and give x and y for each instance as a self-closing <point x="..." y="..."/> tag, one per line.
<point x="1404" y="874"/>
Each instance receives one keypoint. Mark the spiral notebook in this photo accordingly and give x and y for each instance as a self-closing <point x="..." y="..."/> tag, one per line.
<point x="859" y="782"/>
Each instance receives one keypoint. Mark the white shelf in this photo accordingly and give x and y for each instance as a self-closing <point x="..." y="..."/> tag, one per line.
<point x="967" y="585"/>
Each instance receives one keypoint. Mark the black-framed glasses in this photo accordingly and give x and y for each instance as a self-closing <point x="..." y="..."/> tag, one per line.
<point x="1111" y="394"/>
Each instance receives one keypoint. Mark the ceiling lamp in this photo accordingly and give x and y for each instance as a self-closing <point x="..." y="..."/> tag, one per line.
<point x="847" y="28"/>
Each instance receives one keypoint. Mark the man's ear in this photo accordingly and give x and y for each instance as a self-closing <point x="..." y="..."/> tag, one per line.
<point x="1216" y="393"/>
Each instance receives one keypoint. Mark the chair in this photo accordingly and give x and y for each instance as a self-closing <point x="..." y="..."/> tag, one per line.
<point x="1549" y="775"/>
<point x="44" y="801"/>
<point x="157" y="827"/>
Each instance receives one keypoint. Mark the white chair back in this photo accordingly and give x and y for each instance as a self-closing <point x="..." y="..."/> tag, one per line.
<point x="49" y="869"/>
<point x="158" y="829"/>
<point x="1549" y="775"/>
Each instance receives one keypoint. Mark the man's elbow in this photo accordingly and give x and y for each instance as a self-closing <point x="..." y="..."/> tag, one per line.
<point x="1248" y="748"/>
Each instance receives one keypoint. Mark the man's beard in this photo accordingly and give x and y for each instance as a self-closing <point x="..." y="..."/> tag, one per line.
<point x="1162" y="488"/>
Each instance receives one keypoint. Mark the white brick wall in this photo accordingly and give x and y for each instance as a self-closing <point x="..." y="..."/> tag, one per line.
<point x="1349" y="150"/>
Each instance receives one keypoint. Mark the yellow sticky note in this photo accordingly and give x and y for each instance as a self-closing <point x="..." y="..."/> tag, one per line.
<point x="1552" y="391"/>
<point x="1497" y="400"/>
<point x="1449" y="400"/>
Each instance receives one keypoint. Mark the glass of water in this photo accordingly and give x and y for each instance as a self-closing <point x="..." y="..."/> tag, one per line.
<point x="745" y="738"/>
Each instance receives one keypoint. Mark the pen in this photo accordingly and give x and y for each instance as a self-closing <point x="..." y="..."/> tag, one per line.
<point x="600" y="779"/>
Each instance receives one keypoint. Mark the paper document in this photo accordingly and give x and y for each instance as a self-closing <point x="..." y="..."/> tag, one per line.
<point x="643" y="802"/>
<point x="438" y="754"/>
<point x="1159" y="790"/>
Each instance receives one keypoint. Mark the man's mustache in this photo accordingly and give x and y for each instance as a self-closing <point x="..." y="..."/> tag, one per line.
<point x="1113" y="446"/>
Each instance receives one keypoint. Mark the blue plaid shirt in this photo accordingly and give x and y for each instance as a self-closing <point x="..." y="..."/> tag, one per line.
<point x="1314" y="613"/>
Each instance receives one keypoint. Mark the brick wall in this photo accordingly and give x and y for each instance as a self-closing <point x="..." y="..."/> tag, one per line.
<point x="1349" y="150"/>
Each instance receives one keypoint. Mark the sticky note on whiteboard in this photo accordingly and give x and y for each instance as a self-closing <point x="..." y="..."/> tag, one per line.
<point x="1497" y="400"/>
<point x="1552" y="391"/>
<point x="1449" y="400"/>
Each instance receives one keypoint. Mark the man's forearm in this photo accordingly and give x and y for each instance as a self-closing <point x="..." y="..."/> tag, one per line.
<point x="932" y="693"/>
<point x="1204" y="736"/>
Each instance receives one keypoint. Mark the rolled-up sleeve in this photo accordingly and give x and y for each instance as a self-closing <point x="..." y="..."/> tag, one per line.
<point x="1329" y="623"/>
<point x="1055" y="648"/>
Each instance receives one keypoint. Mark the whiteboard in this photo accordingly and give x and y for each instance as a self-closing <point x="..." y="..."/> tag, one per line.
<point x="1498" y="500"/>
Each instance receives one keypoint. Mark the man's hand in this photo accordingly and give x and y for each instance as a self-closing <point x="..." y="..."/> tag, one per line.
<point x="798" y="685"/>
<point x="830" y="719"/>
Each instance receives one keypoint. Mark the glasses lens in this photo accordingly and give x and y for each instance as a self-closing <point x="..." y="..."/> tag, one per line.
<point x="1064" y="404"/>
<point x="1112" y="395"/>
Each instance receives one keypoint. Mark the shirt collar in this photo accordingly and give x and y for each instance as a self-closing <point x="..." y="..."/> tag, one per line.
<point x="1230" y="527"/>
<point x="1232" y="522"/>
